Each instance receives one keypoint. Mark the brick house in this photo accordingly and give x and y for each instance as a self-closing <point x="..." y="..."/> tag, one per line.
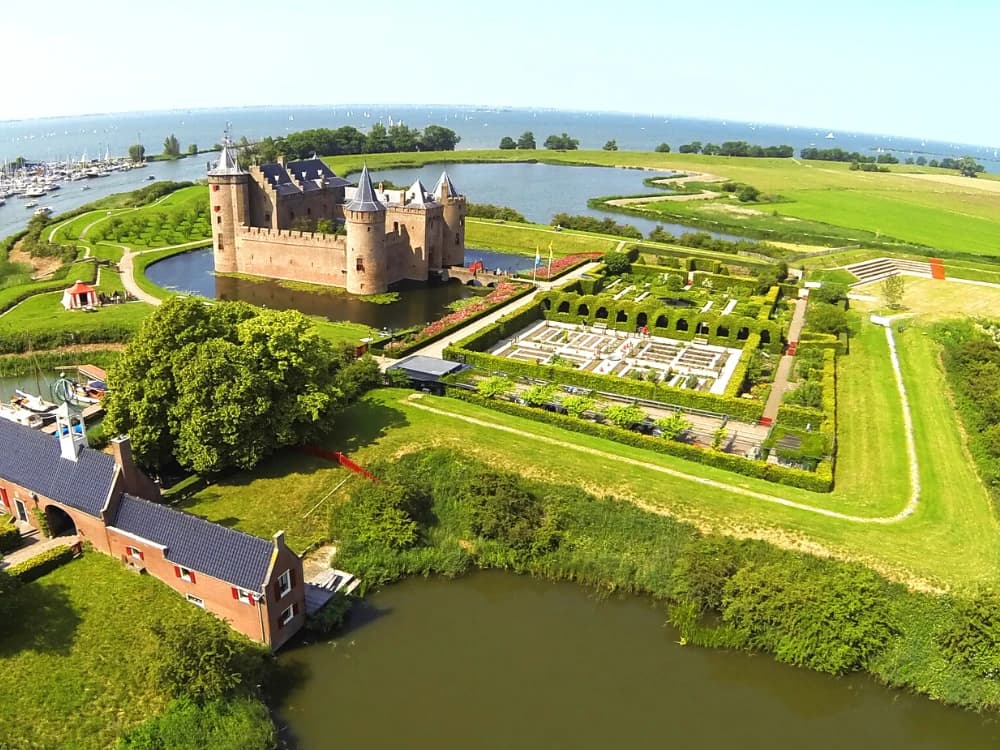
<point x="255" y="584"/>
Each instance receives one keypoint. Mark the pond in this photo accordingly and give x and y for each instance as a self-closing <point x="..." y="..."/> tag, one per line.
<point x="417" y="304"/>
<point x="539" y="191"/>
<point x="494" y="660"/>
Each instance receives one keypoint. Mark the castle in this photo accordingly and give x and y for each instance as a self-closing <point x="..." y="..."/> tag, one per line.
<point x="264" y="223"/>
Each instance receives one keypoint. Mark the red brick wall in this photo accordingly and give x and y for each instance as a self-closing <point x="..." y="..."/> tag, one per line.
<point x="285" y="560"/>
<point x="89" y="528"/>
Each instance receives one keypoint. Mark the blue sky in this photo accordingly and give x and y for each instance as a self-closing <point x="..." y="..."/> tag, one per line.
<point x="885" y="66"/>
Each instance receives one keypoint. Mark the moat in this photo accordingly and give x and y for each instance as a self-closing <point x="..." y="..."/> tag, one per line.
<point x="495" y="660"/>
<point x="417" y="304"/>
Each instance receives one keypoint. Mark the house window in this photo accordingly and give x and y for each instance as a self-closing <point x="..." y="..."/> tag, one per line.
<point x="134" y="552"/>
<point x="243" y="596"/>
<point x="287" y="615"/>
<point x="196" y="601"/>
<point x="285" y="583"/>
<point x="184" y="573"/>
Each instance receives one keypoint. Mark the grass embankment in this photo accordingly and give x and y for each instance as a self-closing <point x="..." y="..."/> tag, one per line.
<point x="949" y="541"/>
<point x="919" y="205"/>
<point x="526" y="239"/>
<point x="931" y="299"/>
<point x="76" y="665"/>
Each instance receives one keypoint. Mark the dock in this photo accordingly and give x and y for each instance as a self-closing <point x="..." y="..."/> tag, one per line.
<point x="321" y="588"/>
<point x="93" y="410"/>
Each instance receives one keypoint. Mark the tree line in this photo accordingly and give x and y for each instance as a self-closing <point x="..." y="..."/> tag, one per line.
<point x="347" y="140"/>
<point x="736" y="148"/>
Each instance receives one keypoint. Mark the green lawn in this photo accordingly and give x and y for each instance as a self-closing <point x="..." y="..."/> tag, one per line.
<point x="75" y="661"/>
<point x="45" y="313"/>
<point x="525" y="239"/>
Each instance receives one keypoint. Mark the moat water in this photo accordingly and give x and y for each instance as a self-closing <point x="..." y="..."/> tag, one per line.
<point x="495" y="660"/>
<point x="417" y="304"/>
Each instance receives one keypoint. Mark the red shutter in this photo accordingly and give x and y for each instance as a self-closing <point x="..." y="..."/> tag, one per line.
<point x="141" y="556"/>
<point x="177" y="571"/>
<point x="193" y="578"/>
<point x="252" y="599"/>
<point x="3" y="496"/>
<point x="236" y="592"/>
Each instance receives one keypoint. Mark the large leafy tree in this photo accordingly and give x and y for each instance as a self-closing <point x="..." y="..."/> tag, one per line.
<point x="438" y="138"/>
<point x="222" y="386"/>
<point x="526" y="141"/>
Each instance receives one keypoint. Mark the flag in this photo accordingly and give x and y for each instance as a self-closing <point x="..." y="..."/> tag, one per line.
<point x="538" y="257"/>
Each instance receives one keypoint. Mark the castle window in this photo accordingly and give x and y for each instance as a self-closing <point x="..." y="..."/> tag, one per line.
<point x="457" y="239"/>
<point x="359" y="264"/>
<point x="309" y="212"/>
<point x="395" y="227"/>
<point x="219" y="241"/>
<point x="218" y="219"/>
<point x="291" y="215"/>
<point x="267" y="218"/>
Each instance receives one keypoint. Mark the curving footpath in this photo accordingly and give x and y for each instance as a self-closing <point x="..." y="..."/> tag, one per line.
<point x="911" y="451"/>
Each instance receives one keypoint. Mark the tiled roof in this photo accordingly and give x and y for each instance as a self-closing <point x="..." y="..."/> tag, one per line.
<point x="364" y="197"/>
<point x="33" y="460"/>
<point x="202" y="546"/>
<point x="228" y="163"/>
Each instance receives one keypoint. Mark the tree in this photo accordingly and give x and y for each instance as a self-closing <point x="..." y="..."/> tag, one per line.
<point x="501" y="509"/>
<point x="171" y="146"/>
<point x="826" y="318"/>
<point x="495" y="387"/>
<point x="526" y="141"/>
<point x="192" y="149"/>
<point x="508" y="143"/>
<point x="663" y="148"/>
<point x="437" y="138"/>
<point x="674" y="426"/>
<point x="616" y="263"/>
<point x="921" y="161"/>
<point x="690" y="148"/>
<point x="562" y="142"/>
<point x="223" y="386"/>
<point x="892" y="291"/>
<point x="380" y="514"/>
<point x="403" y="138"/>
<point x="624" y="416"/>
<point x="325" y="226"/>
<point x="199" y="658"/>
<point x="968" y="166"/>
<point x="537" y="395"/>
<point x="137" y="152"/>
<point x="971" y="637"/>
<point x="577" y="406"/>
<point x="747" y="194"/>
<point x="611" y="145"/>
<point x="377" y="140"/>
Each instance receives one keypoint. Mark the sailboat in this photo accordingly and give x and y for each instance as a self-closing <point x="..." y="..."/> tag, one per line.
<point x="829" y="136"/>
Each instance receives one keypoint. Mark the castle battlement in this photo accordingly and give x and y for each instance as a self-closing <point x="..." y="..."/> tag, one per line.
<point x="265" y="217"/>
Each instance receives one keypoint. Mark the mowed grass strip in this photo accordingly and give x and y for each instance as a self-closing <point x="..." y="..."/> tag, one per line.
<point x="75" y="659"/>
<point x="524" y="239"/>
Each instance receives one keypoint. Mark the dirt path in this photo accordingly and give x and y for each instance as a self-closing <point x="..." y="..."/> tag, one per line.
<point x="906" y="512"/>
<point x="702" y="196"/>
<point x="780" y="385"/>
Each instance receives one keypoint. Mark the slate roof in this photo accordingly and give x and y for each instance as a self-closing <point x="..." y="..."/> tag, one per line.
<point x="308" y="171"/>
<point x="33" y="460"/>
<point x="364" y="197"/>
<point x="445" y="181"/>
<point x="204" y="547"/>
<point x="417" y="194"/>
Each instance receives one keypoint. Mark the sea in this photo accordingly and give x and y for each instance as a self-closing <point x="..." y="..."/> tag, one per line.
<point x="93" y="136"/>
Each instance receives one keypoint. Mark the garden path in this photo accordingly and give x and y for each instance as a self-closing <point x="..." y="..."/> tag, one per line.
<point x="436" y="348"/>
<point x="785" y="366"/>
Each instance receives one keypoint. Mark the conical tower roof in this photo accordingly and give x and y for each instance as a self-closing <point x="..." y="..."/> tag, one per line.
<point x="228" y="163"/>
<point x="449" y="188"/>
<point x="364" y="197"/>
<point x="417" y="194"/>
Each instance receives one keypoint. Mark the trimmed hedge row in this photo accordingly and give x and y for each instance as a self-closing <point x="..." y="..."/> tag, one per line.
<point x="410" y="348"/>
<point x="793" y="415"/>
<point x="21" y="341"/>
<point x="819" y="481"/>
<point x="735" y="385"/>
<point x="686" y="255"/>
<point x="822" y="341"/>
<point x="41" y="564"/>
<point x="10" y="537"/>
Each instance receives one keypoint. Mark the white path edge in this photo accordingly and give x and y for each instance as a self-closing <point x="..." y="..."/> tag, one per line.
<point x="911" y="451"/>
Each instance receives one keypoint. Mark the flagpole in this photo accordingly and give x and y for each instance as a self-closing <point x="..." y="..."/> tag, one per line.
<point x="534" y="268"/>
<point x="550" y="261"/>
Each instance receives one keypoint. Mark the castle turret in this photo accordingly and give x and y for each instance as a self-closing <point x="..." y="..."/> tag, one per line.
<point x="365" y="221"/>
<point x="228" y="195"/>
<point x="453" y="249"/>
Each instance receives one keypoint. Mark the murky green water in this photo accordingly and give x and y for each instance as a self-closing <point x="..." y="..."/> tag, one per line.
<point x="500" y="661"/>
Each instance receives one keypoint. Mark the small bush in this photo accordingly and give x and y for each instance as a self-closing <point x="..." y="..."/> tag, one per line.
<point x="37" y="566"/>
<point x="10" y="537"/>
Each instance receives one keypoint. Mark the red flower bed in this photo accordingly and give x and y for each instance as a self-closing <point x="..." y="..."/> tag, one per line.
<point x="561" y="265"/>
<point x="504" y="291"/>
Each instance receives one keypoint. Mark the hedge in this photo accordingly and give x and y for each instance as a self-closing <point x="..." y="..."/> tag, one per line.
<point x="41" y="564"/>
<point x="10" y="537"/>
<point x="819" y="481"/>
<point x="793" y="415"/>
<point x="21" y="341"/>
<point x="822" y="341"/>
<point x="85" y="270"/>
<point x="736" y="382"/>
<point x="403" y="351"/>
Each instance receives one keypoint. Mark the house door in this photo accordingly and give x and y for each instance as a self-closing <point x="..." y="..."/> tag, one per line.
<point x="22" y="512"/>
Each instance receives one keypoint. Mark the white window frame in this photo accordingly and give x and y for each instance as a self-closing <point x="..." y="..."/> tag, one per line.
<point x="287" y="614"/>
<point x="244" y="596"/>
<point x="285" y="582"/>
<point x="134" y="552"/>
<point x="195" y="600"/>
<point x="186" y="574"/>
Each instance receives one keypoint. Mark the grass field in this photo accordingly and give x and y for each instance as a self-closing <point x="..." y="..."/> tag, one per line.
<point x="961" y="214"/>
<point x="929" y="299"/>
<point x="69" y="683"/>
<point x="44" y="312"/>
<point x="950" y="540"/>
<point x="525" y="239"/>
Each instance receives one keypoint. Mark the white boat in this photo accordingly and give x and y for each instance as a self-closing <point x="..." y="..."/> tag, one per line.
<point x="829" y="136"/>
<point x="31" y="204"/>
<point x="43" y="210"/>
<point x="32" y="403"/>
<point x="34" y="192"/>
<point x="21" y="416"/>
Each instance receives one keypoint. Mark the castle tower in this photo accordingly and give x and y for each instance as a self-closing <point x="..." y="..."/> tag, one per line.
<point x="365" y="221"/>
<point x="228" y="195"/>
<point x="453" y="248"/>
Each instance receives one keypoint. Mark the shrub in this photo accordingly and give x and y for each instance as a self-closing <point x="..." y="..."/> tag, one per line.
<point x="241" y="724"/>
<point x="39" y="565"/>
<point x="332" y="616"/>
<point x="501" y="509"/>
<point x="380" y="515"/>
<point x="616" y="263"/>
<point x="971" y="638"/>
<point x="10" y="537"/>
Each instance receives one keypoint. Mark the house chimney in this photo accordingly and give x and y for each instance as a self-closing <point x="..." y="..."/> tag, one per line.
<point x="281" y="160"/>
<point x="134" y="482"/>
